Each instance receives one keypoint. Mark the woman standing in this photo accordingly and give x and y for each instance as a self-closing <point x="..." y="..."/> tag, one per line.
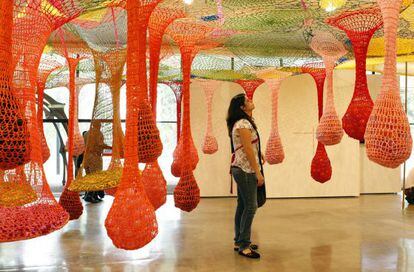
<point x="246" y="168"/>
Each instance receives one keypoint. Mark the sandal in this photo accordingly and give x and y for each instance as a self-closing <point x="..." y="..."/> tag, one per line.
<point x="252" y="254"/>
<point x="252" y="247"/>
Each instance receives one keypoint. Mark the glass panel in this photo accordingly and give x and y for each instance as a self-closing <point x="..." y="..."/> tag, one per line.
<point x="168" y="134"/>
<point x="166" y="104"/>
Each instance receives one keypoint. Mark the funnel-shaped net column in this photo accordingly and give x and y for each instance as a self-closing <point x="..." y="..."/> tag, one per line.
<point x="160" y="19"/>
<point x="388" y="138"/>
<point x="321" y="169"/>
<point x="359" y="25"/>
<point x="131" y="221"/>
<point x="177" y="88"/>
<point x="274" y="153"/>
<point x="33" y="22"/>
<point x="46" y="67"/>
<point x="210" y="145"/>
<point x="249" y="86"/>
<point x="69" y="200"/>
<point x="186" y="33"/>
<point x="329" y="131"/>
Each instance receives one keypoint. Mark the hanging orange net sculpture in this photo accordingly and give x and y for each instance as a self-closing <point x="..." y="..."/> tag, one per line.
<point x="46" y="67"/>
<point x="321" y="169"/>
<point x="177" y="88"/>
<point x="274" y="153"/>
<point x="186" y="33"/>
<point x="31" y="30"/>
<point x="210" y="145"/>
<point x="359" y="25"/>
<point x="131" y="221"/>
<point x="249" y="86"/>
<point x="388" y="138"/>
<point x="329" y="131"/>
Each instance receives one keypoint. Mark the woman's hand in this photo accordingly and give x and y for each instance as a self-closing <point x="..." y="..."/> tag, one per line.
<point x="260" y="179"/>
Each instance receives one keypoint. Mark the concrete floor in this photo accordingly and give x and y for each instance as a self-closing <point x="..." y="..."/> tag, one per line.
<point x="369" y="233"/>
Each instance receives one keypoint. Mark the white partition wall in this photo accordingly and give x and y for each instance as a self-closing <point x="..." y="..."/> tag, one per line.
<point x="352" y="172"/>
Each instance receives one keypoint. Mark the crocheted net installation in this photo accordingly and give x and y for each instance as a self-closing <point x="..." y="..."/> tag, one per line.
<point x="46" y="67"/>
<point x="274" y="153"/>
<point x="329" y="130"/>
<point x="14" y="144"/>
<point x="388" y="137"/>
<point x="32" y="26"/>
<point x="186" y="33"/>
<point x="249" y="86"/>
<point x="210" y="145"/>
<point x="154" y="184"/>
<point x="131" y="221"/>
<point x="321" y="169"/>
<point x="177" y="88"/>
<point x="359" y="26"/>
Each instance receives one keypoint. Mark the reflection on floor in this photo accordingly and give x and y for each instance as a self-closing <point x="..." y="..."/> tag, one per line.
<point x="369" y="233"/>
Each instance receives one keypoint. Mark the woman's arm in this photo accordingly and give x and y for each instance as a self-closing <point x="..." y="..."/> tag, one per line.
<point x="246" y="140"/>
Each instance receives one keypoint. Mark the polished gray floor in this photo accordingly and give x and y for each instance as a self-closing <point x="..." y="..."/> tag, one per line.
<point x="369" y="233"/>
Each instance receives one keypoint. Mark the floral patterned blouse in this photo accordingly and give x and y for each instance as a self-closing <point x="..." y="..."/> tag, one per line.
<point x="240" y="157"/>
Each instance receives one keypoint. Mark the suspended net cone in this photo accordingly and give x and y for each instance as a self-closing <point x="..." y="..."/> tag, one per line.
<point x="131" y="222"/>
<point x="186" y="193"/>
<point x="274" y="153"/>
<point x="14" y="135"/>
<point x="69" y="200"/>
<point x="160" y="19"/>
<point x="249" y="86"/>
<point x="359" y="25"/>
<point x="46" y="68"/>
<point x="387" y="137"/>
<point x="32" y="28"/>
<point x="186" y="33"/>
<point x="329" y="130"/>
<point x="321" y="169"/>
<point x="177" y="88"/>
<point x="154" y="184"/>
<point x="210" y="145"/>
<point x="78" y="141"/>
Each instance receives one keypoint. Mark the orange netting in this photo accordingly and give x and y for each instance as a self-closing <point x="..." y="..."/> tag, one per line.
<point x="186" y="33"/>
<point x="154" y="184"/>
<point x="31" y="27"/>
<point x="249" y="86"/>
<point x="359" y="25"/>
<point x="388" y="137"/>
<point x="329" y="131"/>
<point x="210" y="145"/>
<point x="274" y="153"/>
<point x="321" y="169"/>
<point x="46" y="67"/>
<point x="131" y="221"/>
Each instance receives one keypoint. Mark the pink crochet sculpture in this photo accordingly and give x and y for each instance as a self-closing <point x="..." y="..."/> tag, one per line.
<point x="274" y="153"/>
<point x="388" y="138"/>
<point x="359" y="25"/>
<point x="329" y="131"/>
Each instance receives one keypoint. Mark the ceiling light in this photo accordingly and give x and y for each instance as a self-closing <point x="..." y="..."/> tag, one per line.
<point x="188" y="2"/>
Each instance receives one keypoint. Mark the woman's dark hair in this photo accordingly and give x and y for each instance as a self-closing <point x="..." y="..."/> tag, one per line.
<point x="235" y="113"/>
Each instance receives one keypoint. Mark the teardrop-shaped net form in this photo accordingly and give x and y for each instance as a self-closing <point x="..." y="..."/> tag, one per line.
<point x="388" y="137"/>
<point x="321" y="169"/>
<point x="359" y="25"/>
<point x="186" y="193"/>
<point x="274" y="153"/>
<point x="154" y="184"/>
<point x="329" y="131"/>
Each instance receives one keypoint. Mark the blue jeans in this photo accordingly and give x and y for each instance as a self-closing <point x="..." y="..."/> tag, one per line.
<point x="246" y="206"/>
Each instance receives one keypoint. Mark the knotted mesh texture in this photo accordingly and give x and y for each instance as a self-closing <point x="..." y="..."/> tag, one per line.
<point x="359" y="25"/>
<point x="249" y="86"/>
<point x="329" y="131"/>
<point x="33" y="22"/>
<point x="186" y="33"/>
<point x="154" y="184"/>
<point x="274" y="153"/>
<point x="321" y="169"/>
<point x="210" y="145"/>
<point x="131" y="221"/>
<point x="388" y="137"/>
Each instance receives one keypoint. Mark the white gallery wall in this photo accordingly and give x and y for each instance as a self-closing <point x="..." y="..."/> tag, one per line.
<point x="352" y="172"/>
